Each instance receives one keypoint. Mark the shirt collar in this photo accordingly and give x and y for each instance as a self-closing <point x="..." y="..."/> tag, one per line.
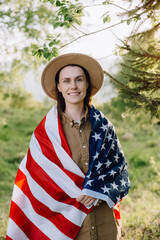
<point x="71" y="122"/>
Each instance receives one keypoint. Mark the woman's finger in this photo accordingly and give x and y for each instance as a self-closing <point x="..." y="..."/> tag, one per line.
<point x="86" y="200"/>
<point x="89" y="202"/>
<point x="80" y="198"/>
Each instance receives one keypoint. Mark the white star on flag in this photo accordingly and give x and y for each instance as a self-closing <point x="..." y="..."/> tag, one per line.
<point x="118" y="199"/>
<point x="114" y="185"/>
<point x="99" y="171"/>
<point x="113" y="145"/>
<point x="95" y="156"/>
<point x="112" y="173"/>
<point x="116" y="158"/>
<point x="108" y="163"/>
<point x="103" y="146"/>
<point x="96" y="136"/>
<point x="101" y="177"/>
<point x="89" y="175"/>
<point x="104" y="127"/>
<point x="105" y="189"/>
<point x="109" y="137"/>
<point x="121" y="168"/>
<point x="123" y="182"/>
<point x="89" y="182"/>
<point x="96" y="116"/>
<point x="125" y="168"/>
<point x="98" y="165"/>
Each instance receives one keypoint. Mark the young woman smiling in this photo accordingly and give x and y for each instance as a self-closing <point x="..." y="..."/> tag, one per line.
<point x="74" y="175"/>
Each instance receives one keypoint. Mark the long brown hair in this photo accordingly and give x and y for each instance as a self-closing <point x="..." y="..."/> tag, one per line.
<point x="60" y="99"/>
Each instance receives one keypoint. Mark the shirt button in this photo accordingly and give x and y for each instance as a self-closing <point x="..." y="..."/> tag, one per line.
<point x="86" y="163"/>
<point x="92" y="227"/>
<point x="84" y="146"/>
<point x="80" y="130"/>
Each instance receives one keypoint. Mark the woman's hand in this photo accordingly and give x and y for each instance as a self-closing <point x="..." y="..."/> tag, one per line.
<point x="86" y="200"/>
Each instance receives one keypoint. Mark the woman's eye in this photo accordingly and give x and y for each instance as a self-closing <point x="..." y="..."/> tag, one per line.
<point x="66" y="81"/>
<point x="79" y="79"/>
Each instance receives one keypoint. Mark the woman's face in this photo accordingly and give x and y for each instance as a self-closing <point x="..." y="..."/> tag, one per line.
<point x="73" y="85"/>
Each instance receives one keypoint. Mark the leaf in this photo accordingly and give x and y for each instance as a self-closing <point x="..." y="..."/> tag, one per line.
<point x="51" y="44"/>
<point x="56" y="24"/>
<point x="106" y="19"/>
<point x="106" y="2"/>
<point x="78" y="21"/>
<point x="58" y="4"/>
<point x="47" y="55"/>
<point x="129" y="21"/>
<point x="68" y="18"/>
<point x="51" y="1"/>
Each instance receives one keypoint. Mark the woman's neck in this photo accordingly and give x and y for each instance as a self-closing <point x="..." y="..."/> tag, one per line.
<point x="76" y="112"/>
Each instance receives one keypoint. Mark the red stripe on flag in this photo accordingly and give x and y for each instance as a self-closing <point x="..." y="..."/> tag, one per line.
<point x="117" y="212"/>
<point x="31" y="231"/>
<point x="45" y="143"/>
<point x="49" y="151"/>
<point x="8" y="238"/>
<point x="63" y="139"/>
<point x="63" y="224"/>
<point x="47" y="183"/>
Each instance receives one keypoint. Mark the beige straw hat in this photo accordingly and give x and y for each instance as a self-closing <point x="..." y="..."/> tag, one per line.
<point x="90" y="64"/>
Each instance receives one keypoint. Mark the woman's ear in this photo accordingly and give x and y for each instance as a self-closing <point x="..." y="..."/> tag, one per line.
<point x="58" y="87"/>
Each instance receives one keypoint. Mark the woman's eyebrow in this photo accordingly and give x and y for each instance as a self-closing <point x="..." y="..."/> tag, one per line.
<point x="67" y="78"/>
<point x="80" y="76"/>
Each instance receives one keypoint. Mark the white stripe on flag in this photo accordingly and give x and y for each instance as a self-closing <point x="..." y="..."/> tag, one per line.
<point x="15" y="232"/>
<point x="45" y="225"/>
<point x="98" y="196"/>
<point x="68" y="211"/>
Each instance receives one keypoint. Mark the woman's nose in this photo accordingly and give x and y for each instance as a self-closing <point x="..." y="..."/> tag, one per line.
<point x="73" y="85"/>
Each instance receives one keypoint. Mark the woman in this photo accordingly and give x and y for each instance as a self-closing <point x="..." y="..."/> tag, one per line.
<point x="75" y="172"/>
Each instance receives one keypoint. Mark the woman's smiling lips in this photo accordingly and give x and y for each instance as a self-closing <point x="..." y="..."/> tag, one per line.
<point x="74" y="94"/>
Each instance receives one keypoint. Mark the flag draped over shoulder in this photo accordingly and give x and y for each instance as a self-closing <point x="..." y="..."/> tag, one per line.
<point x="107" y="177"/>
<point x="48" y="181"/>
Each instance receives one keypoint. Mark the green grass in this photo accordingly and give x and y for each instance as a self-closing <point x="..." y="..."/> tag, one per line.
<point x="141" y="208"/>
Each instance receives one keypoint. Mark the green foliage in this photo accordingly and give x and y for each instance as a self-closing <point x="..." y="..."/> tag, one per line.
<point x="12" y="91"/>
<point x="48" y="50"/>
<point x="28" y="17"/>
<point x="139" y="78"/>
<point x="140" y="71"/>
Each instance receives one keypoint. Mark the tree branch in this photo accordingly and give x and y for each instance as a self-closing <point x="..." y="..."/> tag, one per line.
<point x="113" y="4"/>
<point x="88" y="34"/>
<point x="116" y="81"/>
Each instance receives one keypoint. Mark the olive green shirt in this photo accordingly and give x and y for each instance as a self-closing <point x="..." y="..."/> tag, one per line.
<point x="100" y="223"/>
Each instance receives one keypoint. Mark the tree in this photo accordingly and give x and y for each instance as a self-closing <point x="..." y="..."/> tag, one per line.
<point x="140" y="74"/>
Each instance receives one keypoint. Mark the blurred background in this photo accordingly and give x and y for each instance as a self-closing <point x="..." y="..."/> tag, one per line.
<point x="124" y="37"/>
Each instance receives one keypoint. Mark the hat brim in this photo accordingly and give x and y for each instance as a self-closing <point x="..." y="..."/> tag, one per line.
<point x="90" y="64"/>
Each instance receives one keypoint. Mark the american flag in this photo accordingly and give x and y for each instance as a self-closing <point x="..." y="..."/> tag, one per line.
<point x="48" y="181"/>
<point x="107" y="177"/>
